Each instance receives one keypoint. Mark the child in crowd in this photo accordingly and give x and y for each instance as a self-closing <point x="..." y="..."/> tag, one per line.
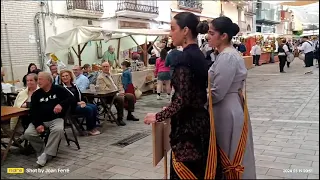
<point x="127" y="78"/>
<point x="163" y="74"/>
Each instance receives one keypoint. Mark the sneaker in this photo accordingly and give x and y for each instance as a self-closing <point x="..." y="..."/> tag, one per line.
<point x="94" y="132"/>
<point x="42" y="159"/>
<point x="158" y="97"/>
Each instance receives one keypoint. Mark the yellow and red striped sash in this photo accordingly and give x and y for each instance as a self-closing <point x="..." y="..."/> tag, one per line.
<point x="231" y="170"/>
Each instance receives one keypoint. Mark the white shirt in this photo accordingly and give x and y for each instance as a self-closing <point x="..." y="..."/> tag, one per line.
<point x="285" y="48"/>
<point x="256" y="50"/>
<point x="306" y="47"/>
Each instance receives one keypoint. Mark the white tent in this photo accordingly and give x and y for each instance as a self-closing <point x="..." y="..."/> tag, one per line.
<point x="84" y="34"/>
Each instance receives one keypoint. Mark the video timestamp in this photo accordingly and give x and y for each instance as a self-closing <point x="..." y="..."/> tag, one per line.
<point x="297" y="170"/>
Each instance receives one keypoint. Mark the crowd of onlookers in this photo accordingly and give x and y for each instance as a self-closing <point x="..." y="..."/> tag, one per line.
<point x="51" y="95"/>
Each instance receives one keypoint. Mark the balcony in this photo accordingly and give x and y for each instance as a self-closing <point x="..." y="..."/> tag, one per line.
<point x="137" y="9"/>
<point x="190" y="5"/>
<point x="85" y="8"/>
<point x="250" y="9"/>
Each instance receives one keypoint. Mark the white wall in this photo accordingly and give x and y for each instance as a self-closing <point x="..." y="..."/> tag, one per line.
<point x="230" y="11"/>
<point x="164" y="11"/>
<point x="20" y="24"/>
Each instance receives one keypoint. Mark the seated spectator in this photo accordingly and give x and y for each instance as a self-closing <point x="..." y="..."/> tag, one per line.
<point x="88" y="110"/>
<point x="86" y="70"/>
<point x="81" y="81"/>
<point x="31" y="68"/>
<point x="55" y="74"/>
<point x="49" y="106"/>
<point x="23" y="100"/>
<point x="105" y="82"/>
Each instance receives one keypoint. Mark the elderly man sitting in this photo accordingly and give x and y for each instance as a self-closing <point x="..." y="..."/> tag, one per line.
<point x="49" y="105"/>
<point x="105" y="82"/>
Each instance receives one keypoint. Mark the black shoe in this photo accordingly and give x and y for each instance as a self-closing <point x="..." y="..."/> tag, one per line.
<point x="132" y="118"/>
<point x="120" y="122"/>
<point x="282" y="72"/>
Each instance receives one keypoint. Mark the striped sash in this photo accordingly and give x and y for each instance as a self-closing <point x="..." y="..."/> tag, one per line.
<point x="231" y="170"/>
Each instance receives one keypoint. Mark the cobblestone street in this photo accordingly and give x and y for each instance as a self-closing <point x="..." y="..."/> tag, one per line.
<point x="284" y="110"/>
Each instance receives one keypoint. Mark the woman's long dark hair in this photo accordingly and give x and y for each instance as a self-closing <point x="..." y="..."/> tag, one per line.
<point x="31" y="64"/>
<point x="36" y="71"/>
<point x="163" y="54"/>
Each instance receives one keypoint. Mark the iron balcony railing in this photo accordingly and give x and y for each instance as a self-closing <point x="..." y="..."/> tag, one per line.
<point x="190" y="4"/>
<point x="138" y="7"/>
<point x="250" y="8"/>
<point x="90" y="5"/>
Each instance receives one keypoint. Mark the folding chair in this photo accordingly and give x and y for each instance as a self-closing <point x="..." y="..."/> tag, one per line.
<point x="68" y="124"/>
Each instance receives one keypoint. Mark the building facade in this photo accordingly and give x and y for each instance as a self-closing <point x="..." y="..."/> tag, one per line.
<point x="240" y="12"/>
<point x="268" y="16"/>
<point x="26" y="26"/>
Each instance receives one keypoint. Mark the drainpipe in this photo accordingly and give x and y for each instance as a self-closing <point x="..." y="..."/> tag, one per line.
<point x="43" y="18"/>
<point x="38" y="39"/>
<point x="8" y="39"/>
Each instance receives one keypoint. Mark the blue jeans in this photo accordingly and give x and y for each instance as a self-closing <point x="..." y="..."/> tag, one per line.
<point x="90" y="112"/>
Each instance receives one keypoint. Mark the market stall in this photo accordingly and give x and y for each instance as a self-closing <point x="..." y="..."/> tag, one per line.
<point x="268" y="46"/>
<point x="127" y="39"/>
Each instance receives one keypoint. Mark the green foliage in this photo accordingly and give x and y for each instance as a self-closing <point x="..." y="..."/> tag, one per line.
<point x="298" y="33"/>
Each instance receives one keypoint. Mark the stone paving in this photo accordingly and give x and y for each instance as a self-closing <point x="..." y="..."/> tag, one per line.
<point x="284" y="110"/>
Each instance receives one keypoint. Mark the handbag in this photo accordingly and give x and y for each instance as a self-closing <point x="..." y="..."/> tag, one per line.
<point x="137" y="92"/>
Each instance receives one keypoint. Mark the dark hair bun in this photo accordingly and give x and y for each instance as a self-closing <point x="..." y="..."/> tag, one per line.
<point x="235" y="29"/>
<point x="203" y="27"/>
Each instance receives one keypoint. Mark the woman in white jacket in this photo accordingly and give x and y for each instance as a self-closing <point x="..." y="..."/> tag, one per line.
<point x="23" y="100"/>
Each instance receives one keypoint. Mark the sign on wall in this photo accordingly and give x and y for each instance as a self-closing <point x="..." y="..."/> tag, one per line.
<point x="133" y="25"/>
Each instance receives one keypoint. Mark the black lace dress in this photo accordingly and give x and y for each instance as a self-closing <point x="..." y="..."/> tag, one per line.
<point x="190" y="124"/>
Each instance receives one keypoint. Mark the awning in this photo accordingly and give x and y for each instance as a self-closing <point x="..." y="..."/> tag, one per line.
<point x="84" y="34"/>
<point x="298" y="3"/>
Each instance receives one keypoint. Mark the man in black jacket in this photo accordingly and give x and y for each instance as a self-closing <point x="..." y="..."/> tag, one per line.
<point x="49" y="105"/>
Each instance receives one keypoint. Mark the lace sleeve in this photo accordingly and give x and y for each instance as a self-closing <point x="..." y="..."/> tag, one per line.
<point x="183" y="76"/>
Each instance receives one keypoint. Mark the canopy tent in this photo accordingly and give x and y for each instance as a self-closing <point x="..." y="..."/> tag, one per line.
<point x="85" y="34"/>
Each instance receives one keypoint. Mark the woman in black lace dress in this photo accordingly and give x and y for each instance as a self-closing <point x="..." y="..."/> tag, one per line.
<point x="190" y="125"/>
